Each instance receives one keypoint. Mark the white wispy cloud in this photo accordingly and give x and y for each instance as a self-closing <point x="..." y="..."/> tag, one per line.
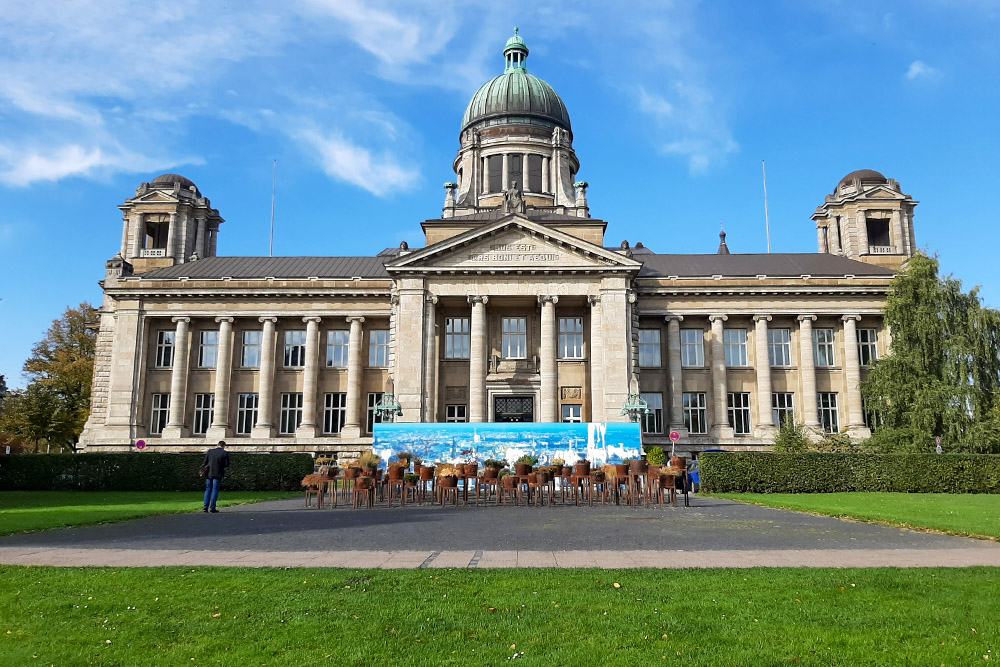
<point x="382" y="174"/>
<point x="920" y="70"/>
<point x="23" y="167"/>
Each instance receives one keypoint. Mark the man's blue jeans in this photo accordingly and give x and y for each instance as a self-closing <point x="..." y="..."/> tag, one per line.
<point x="212" y="485"/>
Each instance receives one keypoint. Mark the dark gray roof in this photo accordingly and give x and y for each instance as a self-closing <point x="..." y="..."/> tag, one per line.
<point x="276" y="267"/>
<point x="773" y="265"/>
<point x="865" y="176"/>
<point x="534" y="215"/>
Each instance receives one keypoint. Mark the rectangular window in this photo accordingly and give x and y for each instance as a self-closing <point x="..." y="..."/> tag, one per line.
<point x="373" y="415"/>
<point x="867" y="346"/>
<point x="692" y="348"/>
<point x="652" y="422"/>
<point x="495" y="166"/>
<point x="823" y="347"/>
<point x="739" y="412"/>
<point x="695" y="418"/>
<point x="829" y="416"/>
<point x="735" y="343"/>
<point x="291" y="413"/>
<point x="246" y="413"/>
<point x="334" y="413"/>
<point x="165" y="348"/>
<point x="779" y="346"/>
<point x="204" y="411"/>
<point x="378" y="348"/>
<point x="515" y="338"/>
<point x="534" y="183"/>
<point x="782" y="408"/>
<point x="514" y="168"/>
<point x="161" y="413"/>
<point x="295" y="349"/>
<point x="337" y="348"/>
<point x="208" y="349"/>
<point x="571" y="338"/>
<point x="250" y="357"/>
<point x="572" y="414"/>
<point x="455" y="413"/>
<point x="457" y="339"/>
<point x="649" y="348"/>
<point x="872" y="418"/>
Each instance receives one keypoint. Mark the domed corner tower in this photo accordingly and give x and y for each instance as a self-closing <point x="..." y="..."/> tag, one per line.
<point x="516" y="129"/>
<point x="168" y="222"/>
<point x="867" y="218"/>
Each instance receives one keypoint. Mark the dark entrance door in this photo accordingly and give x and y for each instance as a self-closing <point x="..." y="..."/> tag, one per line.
<point x="513" y="409"/>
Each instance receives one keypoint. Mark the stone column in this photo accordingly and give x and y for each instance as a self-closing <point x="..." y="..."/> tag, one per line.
<point x="852" y="377"/>
<point x="765" y="418"/>
<point x="897" y="241"/>
<point x="503" y="176"/>
<point x="550" y="368"/>
<point x="223" y="373"/>
<point x="478" y="350"/>
<point x="265" y="381"/>
<point x="597" y="370"/>
<point x="821" y="238"/>
<point x="178" y="380"/>
<point x="833" y="236"/>
<point x="139" y="237"/>
<point x="675" y="378"/>
<point x="352" y="420"/>
<point x="202" y="246"/>
<point x="807" y="409"/>
<point x="310" y="377"/>
<point x="172" y="238"/>
<point x="430" y="359"/>
<point x="524" y="172"/>
<point x="861" y="223"/>
<point x="545" y="174"/>
<point x="486" y="175"/>
<point x="720" y="414"/>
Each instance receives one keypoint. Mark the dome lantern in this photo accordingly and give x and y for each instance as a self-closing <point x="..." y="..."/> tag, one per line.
<point x="515" y="52"/>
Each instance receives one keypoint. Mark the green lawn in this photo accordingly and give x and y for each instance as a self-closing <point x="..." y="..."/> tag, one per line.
<point x="39" y="510"/>
<point x="965" y="514"/>
<point x="212" y="616"/>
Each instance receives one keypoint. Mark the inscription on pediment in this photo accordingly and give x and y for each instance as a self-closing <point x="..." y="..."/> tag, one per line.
<point x="514" y="250"/>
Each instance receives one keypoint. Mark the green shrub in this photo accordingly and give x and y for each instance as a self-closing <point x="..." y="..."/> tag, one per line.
<point x="791" y="438"/>
<point x="149" y="471"/>
<point x="765" y="472"/>
<point x="655" y="456"/>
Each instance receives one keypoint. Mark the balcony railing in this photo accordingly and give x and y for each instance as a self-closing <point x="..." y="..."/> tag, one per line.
<point x="153" y="252"/>
<point x="880" y="250"/>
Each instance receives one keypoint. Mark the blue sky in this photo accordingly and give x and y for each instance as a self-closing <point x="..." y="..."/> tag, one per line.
<point x="673" y="104"/>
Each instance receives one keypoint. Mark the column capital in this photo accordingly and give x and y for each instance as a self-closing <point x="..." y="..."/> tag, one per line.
<point x="593" y="300"/>
<point x="267" y="318"/>
<point x="312" y="318"/>
<point x="479" y="299"/>
<point x="713" y="318"/>
<point x="220" y="320"/>
<point x="355" y="318"/>
<point x="631" y="296"/>
<point x="183" y="319"/>
<point x="432" y="298"/>
<point x="852" y="316"/>
<point x="544" y="299"/>
<point x="671" y="317"/>
<point x="761" y="318"/>
<point x="804" y="318"/>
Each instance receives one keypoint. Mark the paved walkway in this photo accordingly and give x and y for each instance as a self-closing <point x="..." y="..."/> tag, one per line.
<point x="711" y="533"/>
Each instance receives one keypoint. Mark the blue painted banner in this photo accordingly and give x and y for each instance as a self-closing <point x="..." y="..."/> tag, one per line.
<point x="599" y="443"/>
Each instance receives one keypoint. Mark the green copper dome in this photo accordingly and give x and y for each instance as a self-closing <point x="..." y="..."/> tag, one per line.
<point x="516" y="97"/>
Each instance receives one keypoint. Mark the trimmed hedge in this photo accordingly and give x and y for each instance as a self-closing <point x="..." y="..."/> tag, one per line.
<point x="765" y="472"/>
<point x="149" y="471"/>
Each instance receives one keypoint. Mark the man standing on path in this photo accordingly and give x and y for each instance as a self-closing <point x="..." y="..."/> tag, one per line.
<point x="217" y="461"/>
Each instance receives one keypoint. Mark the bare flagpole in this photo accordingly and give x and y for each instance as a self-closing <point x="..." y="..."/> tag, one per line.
<point x="767" y="221"/>
<point x="274" y="183"/>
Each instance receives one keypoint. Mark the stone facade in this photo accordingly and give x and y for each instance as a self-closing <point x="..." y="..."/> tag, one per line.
<point x="515" y="309"/>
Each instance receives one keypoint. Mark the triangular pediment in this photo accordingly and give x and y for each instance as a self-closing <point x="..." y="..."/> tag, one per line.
<point x="513" y="243"/>
<point x="156" y="196"/>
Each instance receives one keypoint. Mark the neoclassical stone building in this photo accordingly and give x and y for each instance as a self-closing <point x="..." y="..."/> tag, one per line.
<point x="515" y="309"/>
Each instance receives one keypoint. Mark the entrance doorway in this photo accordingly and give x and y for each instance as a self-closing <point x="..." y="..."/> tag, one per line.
<point x="513" y="409"/>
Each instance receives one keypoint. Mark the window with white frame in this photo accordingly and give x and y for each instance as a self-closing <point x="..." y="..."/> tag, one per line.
<point x="165" y="348"/>
<point x="823" y="347"/>
<point x="652" y="421"/>
<point x="208" y="349"/>
<point x="695" y="413"/>
<point x="829" y="416"/>
<point x="334" y="412"/>
<point x="692" y="348"/>
<point x="867" y="346"/>
<point x="250" y="355"/>
<point x="649" y="348"/>
<point x="161" y="413"/>
<point x="735" y="345"/>
<point x="373" y="416"/>
<point x="571" y="338"/>
<point x="779" y="346"/>
<point x="572" y="414"/>
<point x="204" y="411"/>
<point x="378" y="348"/>
<point x="246" y="413"/>
<point x="782" y="408"/>
<point x="291" y="413"/>
<point x="295" y="349"/>
<point x="456" y="413"/>
<point x="457" y="339"/>
<point x="338" y="344"/>
<point x="739" y="412"/>
<point x="514" y="343"/>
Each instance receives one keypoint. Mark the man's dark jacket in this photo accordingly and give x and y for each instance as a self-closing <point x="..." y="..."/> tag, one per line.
<point x="217" y="460"/>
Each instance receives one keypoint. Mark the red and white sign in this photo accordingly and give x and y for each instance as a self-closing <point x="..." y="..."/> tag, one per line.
<point x="140" y="445"/>
<point x="674" y="436"/>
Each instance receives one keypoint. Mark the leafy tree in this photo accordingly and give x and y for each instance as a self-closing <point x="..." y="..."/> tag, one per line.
<point x="37" y="415"/>
<point x="791" y="438"/>
<point x="943" y="373"/>
<point x="3" y="391"/>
